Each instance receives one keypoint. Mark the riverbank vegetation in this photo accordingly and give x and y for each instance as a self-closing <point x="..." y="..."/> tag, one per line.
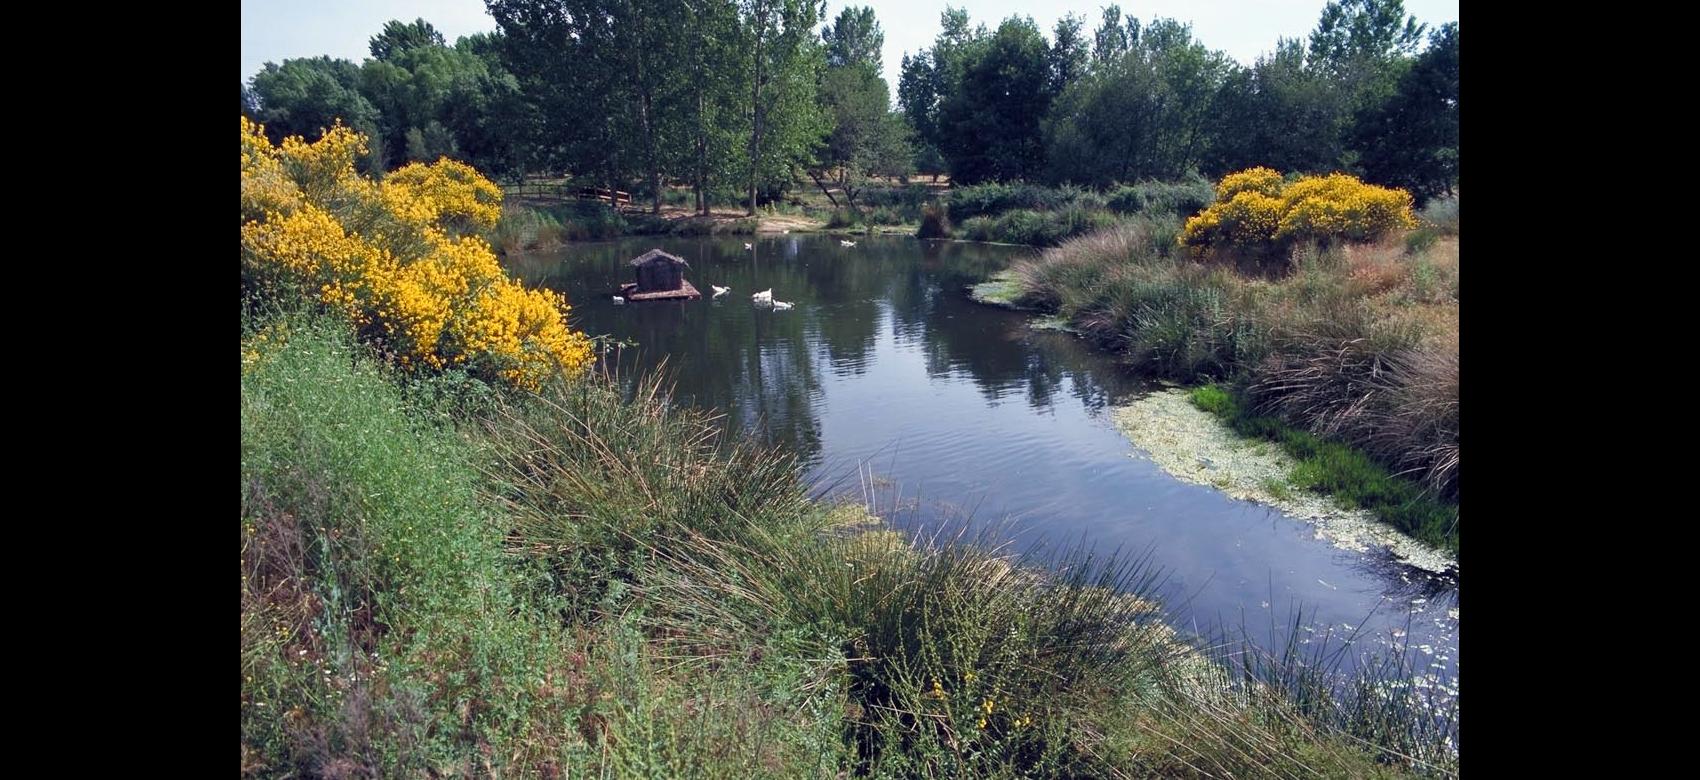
<point x="1345" y="473"/>
<point x="1314" y="303"/>
<point x="458" y="562"/>
<point x="580" y="584"/>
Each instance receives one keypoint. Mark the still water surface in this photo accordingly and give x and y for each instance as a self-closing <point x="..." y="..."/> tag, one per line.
<point x="967" y="416"/>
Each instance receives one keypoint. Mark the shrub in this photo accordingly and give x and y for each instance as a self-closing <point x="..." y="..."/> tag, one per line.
<point x="906" y="202"/>
<point x="1421" y="240"/>
<point x="1265" y="181"/>
<point x="397" y="258"/>
<point x="842" y="218"/>
<point x="1442" y="214"/>
<point x="995" y="199"/>
<point x="1254" y="210"/>
<point x="523" y="229"/>
<point x="1185" y="198"/>
<point x="1248" y="218"/>
<point x="978" y="229"/>
<point x="1339" y="206"/>
<point x="884" y="215"/>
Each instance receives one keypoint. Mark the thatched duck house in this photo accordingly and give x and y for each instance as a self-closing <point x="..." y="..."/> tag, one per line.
<point x="659" y="275"/>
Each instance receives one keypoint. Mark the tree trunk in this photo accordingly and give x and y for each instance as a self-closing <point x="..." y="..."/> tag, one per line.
<point x="755" y="105"/>
<point x="646" y="120"/>
<point x="823" y="189"/>
<point x="702" y="154"/>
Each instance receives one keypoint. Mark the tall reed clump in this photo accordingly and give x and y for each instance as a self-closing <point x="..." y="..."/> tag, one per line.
<point x="1400" y="406"/>
<point x="401" y="260"/>
<point x="934" y="223"/>
<point x="1354" y="342"/>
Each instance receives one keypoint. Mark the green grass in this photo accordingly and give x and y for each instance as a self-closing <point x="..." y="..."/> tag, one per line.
<point x="445" y="580"/>
<point x="1349" y="476"/>
<point x="383" y="628"/>
<point x="1278" y="488"/>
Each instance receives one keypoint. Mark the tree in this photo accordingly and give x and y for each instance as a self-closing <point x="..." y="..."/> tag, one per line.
<point x="1280" y="113"/>
<point x="784" y="120"/>
<point x="418" y="85"/>
<point x="398" y="37"/>
<point x="306" y="96"/>
<point x="1143" y="113"/>
<point x="1411" y="141"/>
<point x="609" y="79"/>
<point x="989" y="126"/>
<point x="1357" y="32"/>
<point x="854" y="38"/>
<point x="1068" y="52"/>
<point x="249" y="109"/>
<point x="1362" y="46"/>
<point x="1113" y="37"/>
<point x="430" y="143"/>
<point x="713" y="114"/>
<point x="918" y="91"/>
<point x="864" y="138"/>
<point x="928" y="78"/>
<point x="495" y="126"/>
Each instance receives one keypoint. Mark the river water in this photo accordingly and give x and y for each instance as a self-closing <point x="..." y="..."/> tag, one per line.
<point x="889" y="383"/>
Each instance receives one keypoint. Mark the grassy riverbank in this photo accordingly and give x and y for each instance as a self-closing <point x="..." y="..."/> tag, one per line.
<point x="1355" y="344"/>
<point x="1026" y="214"/>
<point x="1344" y="473"/>
<point x="442" y="577"/>
<point x="539" y="227"/>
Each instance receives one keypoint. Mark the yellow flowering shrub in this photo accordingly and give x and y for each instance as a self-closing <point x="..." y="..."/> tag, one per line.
<point x="1254" y="209"/>
<point x="1340" y="206"/>
<point x="1266" y="181"/>
<point x="397" y="258"/>
<point x="1249" y="218"/>
<point x="452" y="190"/>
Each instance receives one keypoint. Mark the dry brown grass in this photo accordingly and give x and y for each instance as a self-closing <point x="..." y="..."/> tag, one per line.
<point x="1357" y="342"/>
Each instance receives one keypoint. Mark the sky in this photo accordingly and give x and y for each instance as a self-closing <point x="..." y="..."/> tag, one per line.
<point x="276" y="30"/>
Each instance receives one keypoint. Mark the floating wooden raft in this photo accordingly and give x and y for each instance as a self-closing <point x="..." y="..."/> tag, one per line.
<point x="686" y="291"/>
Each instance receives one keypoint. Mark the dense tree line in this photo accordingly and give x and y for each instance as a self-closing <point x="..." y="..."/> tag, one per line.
<point x="738" y="98"/>
<point x="1132" y="101"/>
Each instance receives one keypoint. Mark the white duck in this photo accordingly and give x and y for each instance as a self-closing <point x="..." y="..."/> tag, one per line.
<point x="781" y="305"/>
<point x="842" y="242"/>
<point x="763" y="298"/>
<point x="719" y="291"/>
<point x="618" y="300"/>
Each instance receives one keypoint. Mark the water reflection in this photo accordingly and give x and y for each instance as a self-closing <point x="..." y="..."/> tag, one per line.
<point x="971" y="416"/>
<point x="764" y="368"/>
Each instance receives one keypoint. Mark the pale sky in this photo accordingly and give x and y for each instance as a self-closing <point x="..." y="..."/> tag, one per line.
<point x="276" y="30"/>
